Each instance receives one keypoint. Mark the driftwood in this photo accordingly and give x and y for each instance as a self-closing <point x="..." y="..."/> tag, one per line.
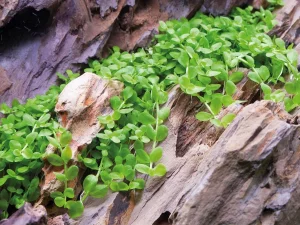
<point x="27" y="215"/>
<point x="246" y="175"/>
<point x="288" y="25"/>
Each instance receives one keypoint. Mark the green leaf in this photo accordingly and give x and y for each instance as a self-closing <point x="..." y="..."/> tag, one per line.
<point x="14" y="145"/>
<point x="146" y="118"/>
<point x="162" y="133"/>
<point x="160" y="170"/>
<point x="216" y="122"/>
<point x="183" y="58"/>
<point x="59" y="201"/>
<point x="116" y="176"/>
<point x="127" y="92"/>
<point x="123" y="186"/>
<point x="61" y="177"/>
<point x="250" y="61"/>
<point x="69" y="192"/>
<point x="55" y="160"/>
<point x="279" y="42"/>
<point x="65" y="138"/>
<point x="291" y="88"/>
<point x="292" y="56"/>
<point x="75" y="208"/>
<point x="289" y="104"/>
<point x="133" y="185"/>
<point x="45" y="132"/>
<point x="212" y="73"/>
<point x="142" y="156"/>
<point x="156" y="154"/>
<point x="29" y="120"/>
<point x="72" y="172"/>
<point x="115" y="102"/>
<point x="227" y="100"/>
<point x="266" y="89"/>
<point x="31" y="137"/>
<point x="142" y="168"/>
<point x="264" y="73"/>
<point x="53" y="142"/>
<point x="66" y="154"/>
<point x="236" y="77"/>
<point x="11" y="173"/>
<point x="3" y="180"/>
<point x="164" y="113"/>
<point x="22" y="169"/>
<point x="27" y="153"/>
<point x="296" y="99"/>
<point x="105" y="71"/>
<point x="227" y="119"/>
<point x="99" y="191"/>
<point x="89" y="183"/>
<point x="44" y="118"/>
<point x="216" y="46"/>
<point x="3" y="205"/>
<point x="162" y="26"/>
<point x="114" y="186"/>
<point x="56" y="194"/>
<point x="230" y="87"/>
<point x="149" y="131"/>
<point x="216" y="105"/>
<point x="254" y="77"/>
<point x="192" y="72"/>
<point x="204" y="116"/>
<point x="116" y="115"/>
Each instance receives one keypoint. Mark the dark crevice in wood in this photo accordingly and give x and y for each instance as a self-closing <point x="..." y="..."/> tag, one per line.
<point x="25" y="24"/>
<point x="163" y="219"/>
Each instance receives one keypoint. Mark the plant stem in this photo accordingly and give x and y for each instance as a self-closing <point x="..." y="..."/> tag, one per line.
<point x="86" y="194"/>
<point x="208" y="107"/>
<point x="156" y="125"/>
<point x="26" y="145"/>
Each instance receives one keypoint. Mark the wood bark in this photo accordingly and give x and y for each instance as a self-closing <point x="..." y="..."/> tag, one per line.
<point x="27" y="215"/>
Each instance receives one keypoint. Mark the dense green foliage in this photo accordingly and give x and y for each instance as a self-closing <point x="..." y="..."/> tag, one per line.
<point x="23" y="138"/>
<point x="202" y="55"/>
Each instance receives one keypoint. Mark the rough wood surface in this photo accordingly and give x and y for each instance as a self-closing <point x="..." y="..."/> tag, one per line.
<point x="27" y="215"/>
<point x="288" y="27"/>
<point x="246" y="174"/>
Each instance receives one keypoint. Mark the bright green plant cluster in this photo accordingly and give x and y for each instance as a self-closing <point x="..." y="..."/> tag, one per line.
<point x="63" y="158"/>
<point x="24" y="135"/>
<point x="202" y="55"/>
<point x="23" y="138"/>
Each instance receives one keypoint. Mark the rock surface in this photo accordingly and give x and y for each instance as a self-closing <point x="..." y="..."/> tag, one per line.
<point x="5" y="82"/>
<point x="210" y="181"/>
<point x="78" y="107"/>
<point x="42" y="37"/>
<point x="288" y="27"/>
<point x="27" y="215"/>
<point x="246" y="174"/>
<point x="80" y="104"/>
